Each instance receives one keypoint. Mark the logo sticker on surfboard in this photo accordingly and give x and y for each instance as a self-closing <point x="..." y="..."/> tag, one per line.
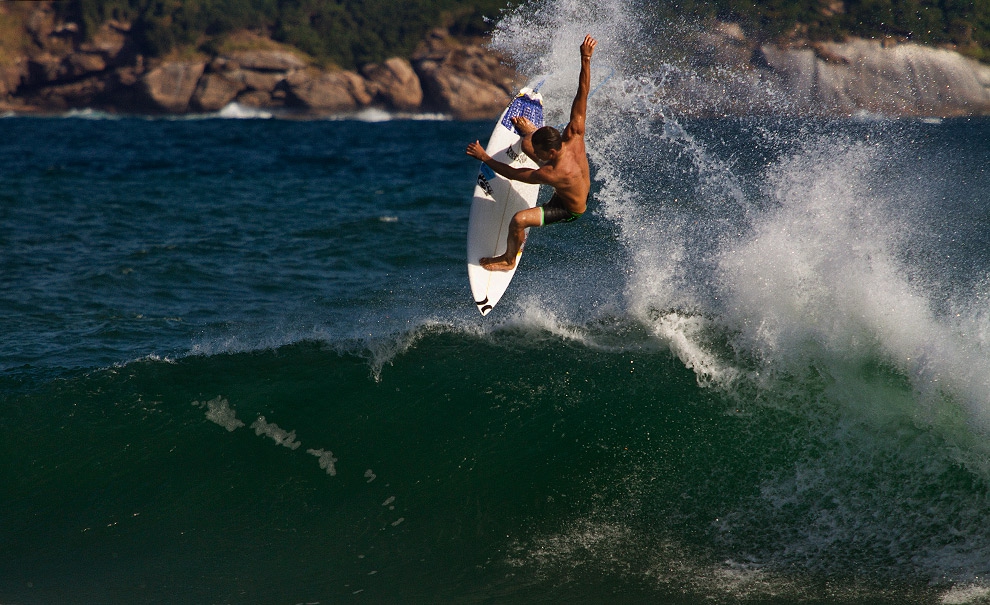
<point x="485" y="178"/>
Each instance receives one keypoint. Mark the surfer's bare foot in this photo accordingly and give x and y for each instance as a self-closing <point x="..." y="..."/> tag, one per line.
<point x="523" y="125"/>
<point x="498" y="263"/>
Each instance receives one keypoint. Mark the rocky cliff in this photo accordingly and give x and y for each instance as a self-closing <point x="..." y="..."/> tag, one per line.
<point x="726" y="72"/>
<point x="866" y="75"/>
<point x="53" y="69"/>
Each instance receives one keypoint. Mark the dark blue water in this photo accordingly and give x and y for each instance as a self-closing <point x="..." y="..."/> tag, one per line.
<point x="240" y="363"/>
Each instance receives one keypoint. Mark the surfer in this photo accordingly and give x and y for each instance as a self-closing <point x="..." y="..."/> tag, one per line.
<point x="563" y="164"/>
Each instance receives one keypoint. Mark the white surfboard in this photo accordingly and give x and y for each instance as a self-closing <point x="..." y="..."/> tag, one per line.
<point x="497" y="199"/>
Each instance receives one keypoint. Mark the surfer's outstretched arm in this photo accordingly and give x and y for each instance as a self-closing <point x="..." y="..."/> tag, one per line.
<point x="525" y="175"/>
<point x="579" y="108"/>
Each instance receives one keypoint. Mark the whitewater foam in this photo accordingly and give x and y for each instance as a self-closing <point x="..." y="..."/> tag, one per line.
<point x="90" y="114"/>
<point x="236" y="111"/>
<point x="791" y="272"/>
<point x="277" y="434"/>
<point x="218" y="411"/>
<point x="595" y="546"/>
<point x="801" y="262"/>
<point x="963" y="595"/>
<point x="327" y="460"/>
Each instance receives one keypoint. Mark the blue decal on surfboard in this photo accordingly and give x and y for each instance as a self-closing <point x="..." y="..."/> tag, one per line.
<point x="524" y="106"/>
<point x="485" y="185"/>
<point x="487" y="171"/>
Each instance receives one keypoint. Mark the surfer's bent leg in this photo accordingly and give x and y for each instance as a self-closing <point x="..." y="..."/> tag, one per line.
<point x="524" y="219"/>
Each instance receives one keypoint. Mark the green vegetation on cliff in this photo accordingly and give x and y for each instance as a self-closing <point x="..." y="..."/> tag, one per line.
<point x="345" y="32"/>
<point x="353" y="32"/>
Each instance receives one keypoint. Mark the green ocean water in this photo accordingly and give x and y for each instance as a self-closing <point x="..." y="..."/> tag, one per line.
<point x="241" y="363"/>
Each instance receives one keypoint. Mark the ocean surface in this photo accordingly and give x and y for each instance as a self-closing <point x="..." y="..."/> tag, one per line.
<point x="240" y="362"/>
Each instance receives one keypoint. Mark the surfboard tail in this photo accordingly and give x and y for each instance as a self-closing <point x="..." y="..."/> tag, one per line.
<point x="484" y="307"/>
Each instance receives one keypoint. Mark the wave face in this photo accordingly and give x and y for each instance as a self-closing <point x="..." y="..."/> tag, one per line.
<point x="241" y="361"/>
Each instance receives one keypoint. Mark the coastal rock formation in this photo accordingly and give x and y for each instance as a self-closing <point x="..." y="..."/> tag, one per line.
<point x="53" y="67"/>
<point x="731" y="74"/>
<point x="170" y="86"/>
<point x="864" y="75"/>
<point x="67" y="95"/>
<point x="394" y="84"/>
<point x="255" y="78"/>
<point x="465" y="81"/>
<point x="57" y="68"/>
<point x="216" y="90"/>
<point x="271" y="61"/>
<point x="112" y="42"/>
<point x="10" y="79"/>
<point x="328" y="92"/>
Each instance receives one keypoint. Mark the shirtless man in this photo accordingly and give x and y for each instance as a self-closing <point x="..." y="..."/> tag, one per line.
<point x="563" y="165"/>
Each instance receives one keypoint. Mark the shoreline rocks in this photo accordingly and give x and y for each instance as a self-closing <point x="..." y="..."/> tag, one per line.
<point x="465" y="81"/>
<point x="59" y="71"/>
<point x="169" y="87"/>
<point x="394" y="84"/>
<point x="327" y="92"/>
<point x="865" y="75"/>
<point x="827" y="78"/>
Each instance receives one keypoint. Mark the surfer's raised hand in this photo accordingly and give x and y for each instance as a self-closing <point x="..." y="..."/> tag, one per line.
<point x="588" y="46"/>
<point x="475" y="150"/>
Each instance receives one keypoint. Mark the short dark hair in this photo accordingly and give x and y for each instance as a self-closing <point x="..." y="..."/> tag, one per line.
<point x="547" y="138"/>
